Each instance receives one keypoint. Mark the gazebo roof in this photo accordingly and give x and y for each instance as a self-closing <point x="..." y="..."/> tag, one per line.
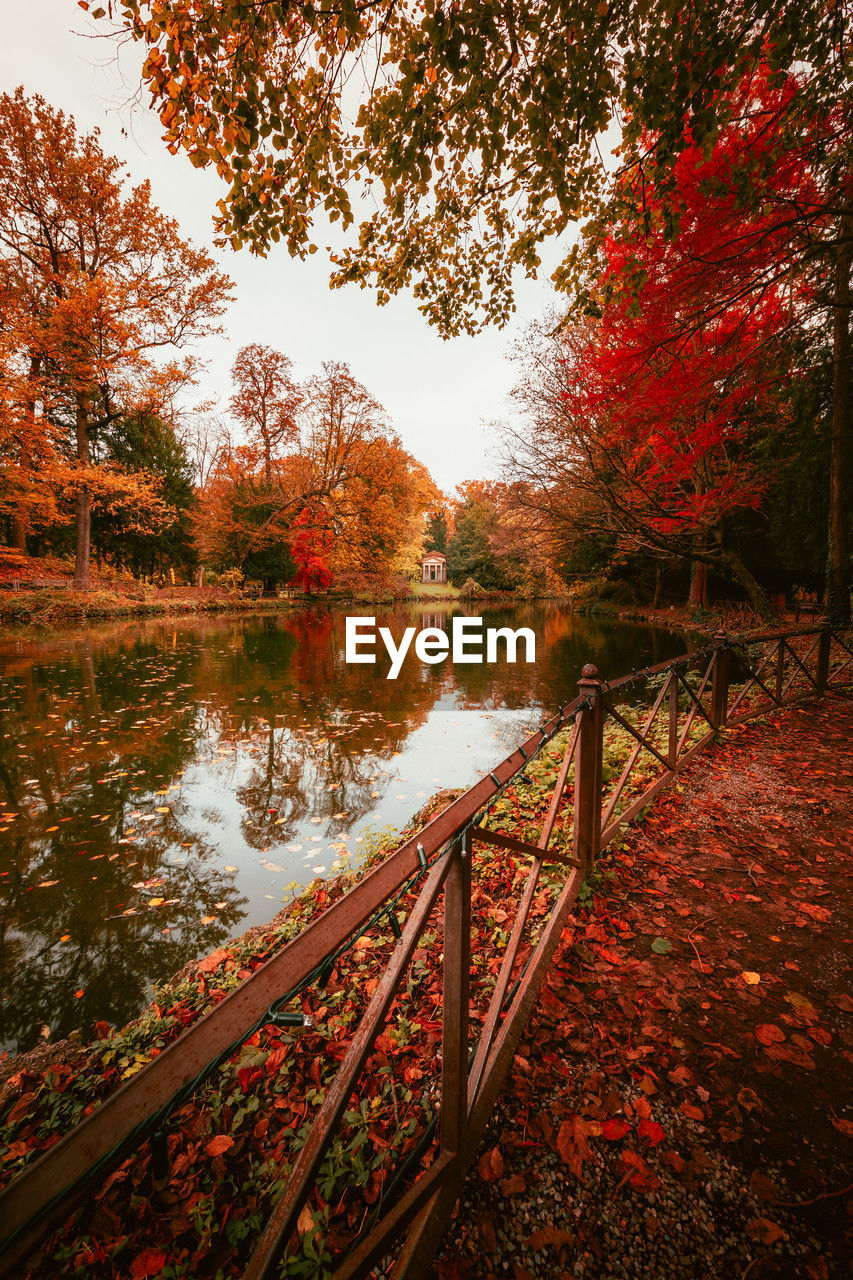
<point x="433" y="555"/>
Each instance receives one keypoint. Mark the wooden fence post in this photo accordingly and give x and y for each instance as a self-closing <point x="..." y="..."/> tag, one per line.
<point x="720" y="682"/>
<point x="822" y="672"/>
<point x="672" y="753"/>
<point x="457" y="963"/>
<point x="588" y="764"/>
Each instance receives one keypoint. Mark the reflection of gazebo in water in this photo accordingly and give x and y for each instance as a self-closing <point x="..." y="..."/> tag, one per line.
<point x="434" y="567"/>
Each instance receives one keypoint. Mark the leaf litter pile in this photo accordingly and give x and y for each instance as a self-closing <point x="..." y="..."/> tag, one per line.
<point x="679" y="1103"/>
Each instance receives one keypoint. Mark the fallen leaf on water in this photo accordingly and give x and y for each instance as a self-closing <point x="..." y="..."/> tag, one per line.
<point x="230" y="868"/>
<point x="305" y="1221"/>
<point x="156" y="902"/>
<point x="751" y="979"/>
<point x="614" y="1129"/>
<point x="48" y="884"/>
<point x="78" y="995"/>
<point x="844" y="1126"/>
<point x="661" y="946"/>
<point x="769" y="1033"/>
<point x="748" y="1099"/>
<point x="208" y="919"/>
<point x="163" y="809"/>
<point x="514" y="1185"/>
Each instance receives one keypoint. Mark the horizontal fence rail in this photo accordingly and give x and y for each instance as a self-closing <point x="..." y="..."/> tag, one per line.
<point x="693" y="698"/>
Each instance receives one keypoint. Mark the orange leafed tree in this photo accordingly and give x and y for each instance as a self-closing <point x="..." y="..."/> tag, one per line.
<point x="265" y="400"/>
<point x="98" y="282"/>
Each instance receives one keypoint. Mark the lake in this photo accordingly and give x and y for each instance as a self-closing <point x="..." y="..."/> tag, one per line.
<point x="162" y="784"/>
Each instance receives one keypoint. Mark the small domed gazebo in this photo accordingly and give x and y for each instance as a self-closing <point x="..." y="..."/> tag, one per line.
<point x="434" y="567"/>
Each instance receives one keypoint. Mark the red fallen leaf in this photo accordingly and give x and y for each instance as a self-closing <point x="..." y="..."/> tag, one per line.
<point x="674" y="1160"/>
<point x="572" y="1144"/>
<point x="219" y="1145"/>
<point x="491" y="1165"/>
<point x="680" y="1075"/>
<point x="638" y="1173"/>
<point x="614" y="1129"/>
<point x="213" y="961"/>
<point x="486" y="1232"/>
<point x="692" y="1113"/>
<point x="748" y="1099"/>
<point x="20" y="1108"/>
<point x="844" y="1126"/>
<point x="651" y="1130"/>
<point x="274" y="1060"/>
<point x="558" y="1237"/>
<point x="731" y="1133"/>
<point x="642" y="1109"/>
<point x="763" y="1187"/>
<point x="148" y="1263"/>
<point x="844" y="1002"/>
<point x="764" y="1230"/>
<point x="514" y="1185"/>
<point x="769" y="1033"/>
<point x="816" y="913"/>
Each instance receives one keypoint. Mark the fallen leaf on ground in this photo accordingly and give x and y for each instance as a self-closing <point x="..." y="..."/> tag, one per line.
<point x="219" y="1145"/>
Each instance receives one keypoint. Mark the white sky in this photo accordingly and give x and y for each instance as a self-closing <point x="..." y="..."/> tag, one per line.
<point x="440" y="395"/>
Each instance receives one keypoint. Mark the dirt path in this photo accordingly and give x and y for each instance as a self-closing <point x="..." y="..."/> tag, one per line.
<point x="681" y="1102"/>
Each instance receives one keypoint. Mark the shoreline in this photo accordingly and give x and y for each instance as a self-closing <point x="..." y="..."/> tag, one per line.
<point x="54" y="609"/>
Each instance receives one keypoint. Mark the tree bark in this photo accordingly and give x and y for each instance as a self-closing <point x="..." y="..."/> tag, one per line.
<point x="19" y="533"/>
<point x="658" y="583"/>
<point x="84" y="499"/>
<point x="838" y="562"/>
<point x="20" y="524"/>
<point x="757" y="596"/>
<point x="698" y="597"/>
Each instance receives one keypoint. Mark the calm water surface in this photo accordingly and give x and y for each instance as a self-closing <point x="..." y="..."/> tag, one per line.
<point x="162" y="784"/>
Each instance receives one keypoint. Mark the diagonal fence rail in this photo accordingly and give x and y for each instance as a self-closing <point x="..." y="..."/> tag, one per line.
<point x="693" y="698"/>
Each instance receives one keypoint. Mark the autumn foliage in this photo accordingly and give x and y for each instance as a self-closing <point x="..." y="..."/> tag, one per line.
<point x="95" y="282"/>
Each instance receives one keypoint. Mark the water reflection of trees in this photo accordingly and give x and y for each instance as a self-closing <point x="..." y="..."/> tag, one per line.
<point x="97" y="729"/>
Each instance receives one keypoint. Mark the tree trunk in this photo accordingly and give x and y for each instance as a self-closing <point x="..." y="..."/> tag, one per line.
<point x="19" y="533"/>
<point x="757" y="596"/>
<point x="698" y="598"/>
<point x="658" y="583"/>
<point x="838" y="564"/>
<point x="20" y="524"/>
<point x="200" y="581"/>
<point x="84" y="499"/>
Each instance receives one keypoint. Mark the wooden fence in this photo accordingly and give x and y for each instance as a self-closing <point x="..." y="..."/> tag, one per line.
<point x="692" y="699"/>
